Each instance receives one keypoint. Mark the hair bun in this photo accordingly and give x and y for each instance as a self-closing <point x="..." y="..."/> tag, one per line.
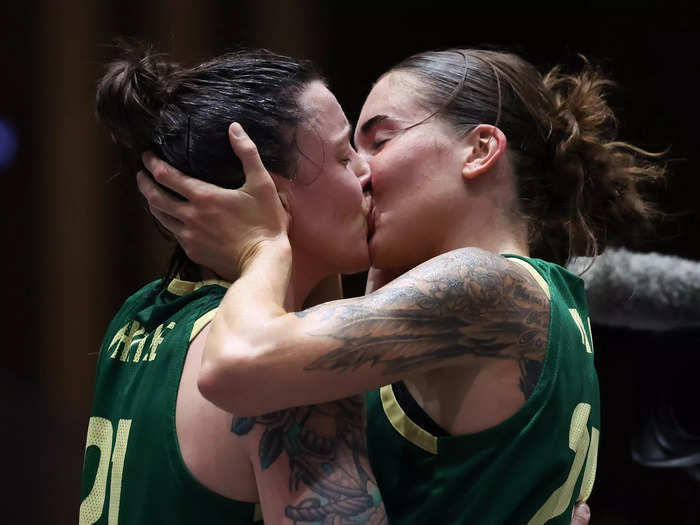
<point x="596" y="180"/>
<point x="132" y="92"/>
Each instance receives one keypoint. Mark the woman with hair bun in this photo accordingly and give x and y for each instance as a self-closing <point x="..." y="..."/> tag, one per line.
<point x="156" y="450"/>
<point x="486" y="177"/>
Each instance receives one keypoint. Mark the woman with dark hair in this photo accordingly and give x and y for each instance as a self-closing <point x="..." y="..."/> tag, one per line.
<point x="487" y="408"/>
<point x="157" y="451"/>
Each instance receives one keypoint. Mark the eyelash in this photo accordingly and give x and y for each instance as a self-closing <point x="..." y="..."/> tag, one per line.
<point x="378" y="144"/>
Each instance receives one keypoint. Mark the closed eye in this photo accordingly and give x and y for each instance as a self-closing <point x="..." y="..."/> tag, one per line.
<point x="379" y="143"/>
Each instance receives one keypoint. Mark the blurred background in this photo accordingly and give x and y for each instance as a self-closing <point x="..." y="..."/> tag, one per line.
<point x="79" y="240"/>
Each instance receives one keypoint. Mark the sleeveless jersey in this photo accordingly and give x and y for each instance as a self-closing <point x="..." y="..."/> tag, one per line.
<point x="133" y="472"/>
<point x="529" y="469"/>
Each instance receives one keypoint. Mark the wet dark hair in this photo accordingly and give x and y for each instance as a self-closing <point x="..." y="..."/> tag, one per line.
<point x="578" y="187"/>
<point x="182" y="114"/>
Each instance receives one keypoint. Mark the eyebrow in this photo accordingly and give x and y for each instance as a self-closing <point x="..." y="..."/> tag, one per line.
<point x="369" y="124"/>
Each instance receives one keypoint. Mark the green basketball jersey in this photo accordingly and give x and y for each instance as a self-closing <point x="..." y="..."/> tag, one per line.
<point x="133" y="471"/>
<point x="531" y="468"/>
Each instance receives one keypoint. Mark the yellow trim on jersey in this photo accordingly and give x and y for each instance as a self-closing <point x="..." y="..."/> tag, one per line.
<point x="540" y="280"/>
<point x="404" y="425"/>
<point x="179" y="287"/>
<point x="257" y="513"/>
<point x="203" y="321"/>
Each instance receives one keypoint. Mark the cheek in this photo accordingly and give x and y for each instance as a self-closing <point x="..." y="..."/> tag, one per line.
<point x="405" y="170"/>
<point x="327" y="203"/>
<point x="329" y="225"/>
<point x="344" y="192"/>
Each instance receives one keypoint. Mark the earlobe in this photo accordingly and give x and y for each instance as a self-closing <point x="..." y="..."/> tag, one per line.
<point x="485" y="145"/>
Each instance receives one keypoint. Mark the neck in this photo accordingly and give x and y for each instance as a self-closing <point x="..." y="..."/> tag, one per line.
<point x="302" y="281"/>
<point x="492" y="233"/>
<point x="490" y="225"/>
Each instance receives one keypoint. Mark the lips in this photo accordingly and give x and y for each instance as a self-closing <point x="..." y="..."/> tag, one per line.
<point x="368" y="206"/>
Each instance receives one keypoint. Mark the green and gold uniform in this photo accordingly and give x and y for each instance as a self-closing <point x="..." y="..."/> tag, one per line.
<point x="133" y="471"/>
<point x="531" y="468"/>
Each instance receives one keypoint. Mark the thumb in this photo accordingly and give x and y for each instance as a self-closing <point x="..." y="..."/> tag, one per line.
<point x="245" y="149"/>
<point x="581" y="514"/>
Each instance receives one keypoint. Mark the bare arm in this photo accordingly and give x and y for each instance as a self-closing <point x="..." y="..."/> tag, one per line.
<point x="458" y="308"/>
<point x="311" y="464"/>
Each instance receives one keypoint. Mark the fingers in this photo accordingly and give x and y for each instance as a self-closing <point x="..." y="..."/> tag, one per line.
<point x="158" y="199"/>
<point x="172" y="178"/>
<point x="255" y="173"/>
<point x="581" y="514"/>
<point x="169" y="222"/>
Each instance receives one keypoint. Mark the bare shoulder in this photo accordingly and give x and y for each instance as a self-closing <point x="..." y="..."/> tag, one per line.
<point x="479" y="278"/>
<point x="501" y="308"/>
<point x="204" y="436"/>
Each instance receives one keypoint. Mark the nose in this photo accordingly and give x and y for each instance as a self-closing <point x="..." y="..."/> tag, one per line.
<point x="363" y="171"/>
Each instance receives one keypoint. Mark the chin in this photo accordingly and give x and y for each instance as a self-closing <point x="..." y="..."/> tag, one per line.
<point x="388" y="257"/>
<point x="360" y="263"/>
<point x="355" y="261"/>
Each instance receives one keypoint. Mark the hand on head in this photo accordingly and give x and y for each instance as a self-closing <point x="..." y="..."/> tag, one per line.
<point x="218" y="228"/>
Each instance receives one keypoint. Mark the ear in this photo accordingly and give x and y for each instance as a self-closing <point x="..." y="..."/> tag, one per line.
<point x="484" y="146"/>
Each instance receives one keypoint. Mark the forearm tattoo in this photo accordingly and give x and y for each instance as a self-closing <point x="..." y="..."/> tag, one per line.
<point x="464" y="302"/>
<point x="327" y="451"/>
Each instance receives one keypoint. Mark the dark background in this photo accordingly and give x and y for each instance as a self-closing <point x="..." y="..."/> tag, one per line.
<point x="79" y="240"/>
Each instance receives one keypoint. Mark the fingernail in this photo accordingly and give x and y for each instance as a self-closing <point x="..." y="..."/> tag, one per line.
<point x="236" y="129"/>
<point x="581" y="510"/>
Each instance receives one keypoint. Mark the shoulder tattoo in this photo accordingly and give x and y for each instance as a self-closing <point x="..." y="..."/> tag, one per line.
<point x="326" y="448"/>
<point x="466" y="302"/>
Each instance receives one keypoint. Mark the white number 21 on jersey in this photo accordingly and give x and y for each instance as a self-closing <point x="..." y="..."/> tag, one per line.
<point x="585" y="335"/>
<point x="581" y="442"/>
<point x="100" y="434"/>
